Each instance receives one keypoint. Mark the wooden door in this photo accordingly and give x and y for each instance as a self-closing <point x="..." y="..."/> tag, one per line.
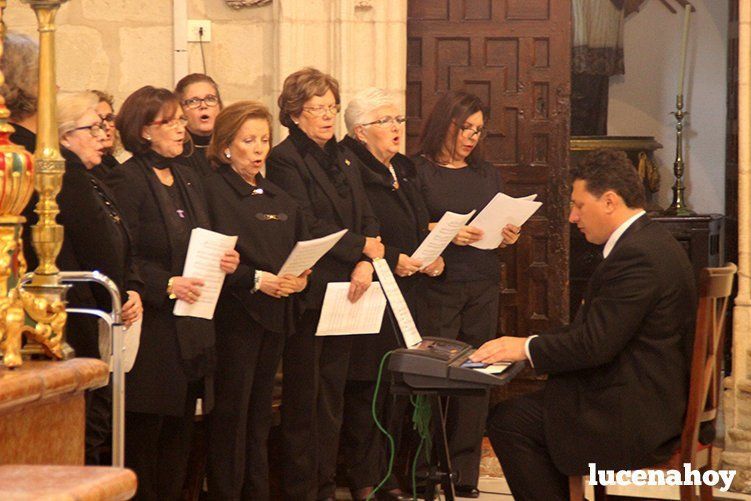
<point x="515" y="55"/>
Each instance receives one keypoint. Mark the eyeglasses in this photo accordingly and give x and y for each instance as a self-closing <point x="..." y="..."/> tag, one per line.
<point x="387" y="122"/>
<point x="469" y="132"/>
<point x="172" y="123"/>
<point x="94" y="130"/>
<point x="195" y="102"/>
<point x="110" y="118"/>
<point x="319" y="111"/>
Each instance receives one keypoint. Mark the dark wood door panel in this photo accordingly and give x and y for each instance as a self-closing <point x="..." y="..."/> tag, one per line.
<point x="515" y="55"/>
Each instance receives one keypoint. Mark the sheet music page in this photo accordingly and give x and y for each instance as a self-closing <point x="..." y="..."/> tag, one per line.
<point x="131" y="342"/>
<point x="205" y="250"/>
<point x="502" y="210"/>
<point x="439" y="238"/>
<point x="340" y="317"/>
<point x="307" y="253"/>
<point x="398" y="304"/>
<point x="493" y="368"/>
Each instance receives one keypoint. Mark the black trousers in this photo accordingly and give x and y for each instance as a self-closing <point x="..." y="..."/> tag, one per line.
<point x="315" y="372"/>
<point x="247" y="359"/>
<point x="467" y="311"/>
<point x="365" y="449"/>
<point x="157" y="449"/>
<point x="98" y="424"/>
<point x="517" y="432"/>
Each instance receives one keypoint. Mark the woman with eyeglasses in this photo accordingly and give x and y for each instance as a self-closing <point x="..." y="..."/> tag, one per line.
<point x="464" y="305"/>
<point x="201" y="103"/>
<point x="161" y="202"/>
<point x="375" y="133"/>
<point x="324" y="180"/>
<point x="106" y="111"/>
<point x="95" y="238"/>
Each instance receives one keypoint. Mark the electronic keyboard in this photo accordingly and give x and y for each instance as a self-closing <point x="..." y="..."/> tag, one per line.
<point x="438" y="363"/>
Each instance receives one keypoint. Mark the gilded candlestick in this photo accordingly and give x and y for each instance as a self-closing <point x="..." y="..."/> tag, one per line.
<point x="44" y="297"/>
<point x="679" y="207"/>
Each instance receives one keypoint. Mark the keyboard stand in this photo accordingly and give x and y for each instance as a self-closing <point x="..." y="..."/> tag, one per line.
<point x="439" y="469"/>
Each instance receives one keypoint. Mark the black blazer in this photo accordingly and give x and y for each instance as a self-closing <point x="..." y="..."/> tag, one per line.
<point x="268" y="223"/>
<point x="404" y="222"/>
<point x="300" y="175"/>
<point x="619" y="373"/>
<point x="174" y="350"/>
<point x="95" y="238"/>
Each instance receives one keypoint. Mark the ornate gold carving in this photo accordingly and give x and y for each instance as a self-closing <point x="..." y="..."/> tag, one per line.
<point x="240" y="4"/>
<point x="37" y="310"/>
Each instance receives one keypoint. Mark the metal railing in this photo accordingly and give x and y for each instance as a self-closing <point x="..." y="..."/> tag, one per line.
<point x="114" y="358"/>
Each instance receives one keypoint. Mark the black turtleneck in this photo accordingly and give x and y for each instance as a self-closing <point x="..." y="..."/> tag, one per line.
<point x="200" y="143"/>
<point x="194" y="154"/>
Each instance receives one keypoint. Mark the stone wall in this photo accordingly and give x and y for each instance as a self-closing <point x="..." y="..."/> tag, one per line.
<point x="121" y="45"/>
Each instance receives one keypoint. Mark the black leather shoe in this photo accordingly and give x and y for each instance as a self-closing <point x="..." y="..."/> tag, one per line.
<point x="466" y="491"/>
<point x="393" y="495"/>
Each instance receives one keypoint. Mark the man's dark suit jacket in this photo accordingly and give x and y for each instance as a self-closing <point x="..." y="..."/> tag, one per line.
<point x="619" y="373"/>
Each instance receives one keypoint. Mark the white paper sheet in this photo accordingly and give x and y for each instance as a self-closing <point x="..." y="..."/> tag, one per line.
<point x="131" y="342"/>
<point x="205" y="250"/>
<point x="502" y="210"/>
<point x="398" y="305"/>
<point x="493" y="368"/>
<point x="305" y="254"/>
<point x="340" y="317"/>
<point x="439" y="238"/>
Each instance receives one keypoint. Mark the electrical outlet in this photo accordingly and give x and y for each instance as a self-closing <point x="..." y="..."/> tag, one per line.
<point x="194" y="30"/>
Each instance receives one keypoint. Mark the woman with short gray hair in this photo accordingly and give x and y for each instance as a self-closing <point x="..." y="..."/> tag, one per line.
<point x="375" y="133"/>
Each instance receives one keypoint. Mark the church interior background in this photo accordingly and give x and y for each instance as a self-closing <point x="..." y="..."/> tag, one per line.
<point x="557" y="84"/>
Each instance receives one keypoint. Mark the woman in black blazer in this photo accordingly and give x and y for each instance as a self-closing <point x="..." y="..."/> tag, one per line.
<point x="375" y="133"/>
<point x="254" y="313"/>
<point x="161" y="202"/>
<point x="322" y="179"/>
<point x="95" y="238"/>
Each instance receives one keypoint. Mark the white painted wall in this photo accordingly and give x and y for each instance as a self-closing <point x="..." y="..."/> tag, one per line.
<point x="641" y="100"/>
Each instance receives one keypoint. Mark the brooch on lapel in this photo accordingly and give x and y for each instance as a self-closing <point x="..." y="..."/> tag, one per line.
<point x="347" y="162"/>
<point x="257" y="191"/>
<point x="271" y="217"/>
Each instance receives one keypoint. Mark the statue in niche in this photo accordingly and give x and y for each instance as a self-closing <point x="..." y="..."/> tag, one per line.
<point x="239" y="4"/>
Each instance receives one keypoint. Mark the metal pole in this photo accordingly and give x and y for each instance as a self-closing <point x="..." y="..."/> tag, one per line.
<point x="115" y="323"/>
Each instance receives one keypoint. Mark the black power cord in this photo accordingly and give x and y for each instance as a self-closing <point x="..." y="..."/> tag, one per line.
<point x="200" y="42"/>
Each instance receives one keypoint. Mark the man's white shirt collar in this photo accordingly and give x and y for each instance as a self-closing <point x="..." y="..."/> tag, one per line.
<point x="619" y="232"/>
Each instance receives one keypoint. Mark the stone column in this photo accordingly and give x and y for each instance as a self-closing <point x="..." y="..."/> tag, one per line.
<point x="737" y="393"/>
<point x="361" y="43"/>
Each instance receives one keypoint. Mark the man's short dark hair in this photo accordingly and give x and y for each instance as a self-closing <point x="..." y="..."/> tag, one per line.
<point x="610" y="170"/>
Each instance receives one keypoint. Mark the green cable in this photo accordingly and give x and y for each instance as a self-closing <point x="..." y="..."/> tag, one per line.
<point x="421" y="422"/>
<point x="373" y="410"/>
